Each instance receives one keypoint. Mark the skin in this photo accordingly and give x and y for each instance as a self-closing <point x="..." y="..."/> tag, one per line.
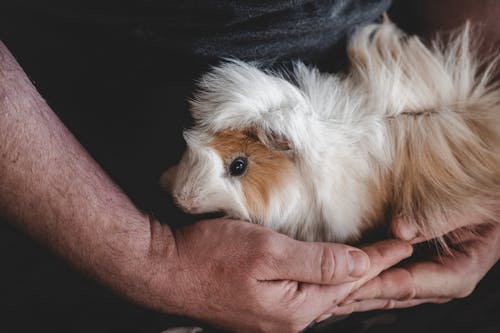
<point x="233" y="274"/>
<point x="439" y="279"/>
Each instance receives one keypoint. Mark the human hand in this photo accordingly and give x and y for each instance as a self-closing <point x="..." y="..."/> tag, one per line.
<point x="473" y="249"/>
<point x="248" y="278"/>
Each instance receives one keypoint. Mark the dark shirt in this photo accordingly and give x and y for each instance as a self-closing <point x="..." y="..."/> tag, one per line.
<point x="267" y="31"/>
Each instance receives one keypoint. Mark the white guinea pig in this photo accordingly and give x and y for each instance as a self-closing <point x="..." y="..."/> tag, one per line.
<point x="410" y="130"/>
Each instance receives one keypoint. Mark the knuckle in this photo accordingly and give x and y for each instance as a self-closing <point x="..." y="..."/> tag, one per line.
<point x="378" y="284"/>
<point x="327" y="264"/>
<point x="379" y="252"/>
<point x="408" y="288"/>
<point x="411" y="293"/>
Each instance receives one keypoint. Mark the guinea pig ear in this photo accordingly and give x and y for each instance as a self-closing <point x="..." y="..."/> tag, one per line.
<point x="273" y="140"/>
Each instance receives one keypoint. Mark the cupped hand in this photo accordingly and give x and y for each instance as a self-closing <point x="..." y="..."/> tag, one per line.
<point x="247" y="278"/>
<point x="473" y="250"/>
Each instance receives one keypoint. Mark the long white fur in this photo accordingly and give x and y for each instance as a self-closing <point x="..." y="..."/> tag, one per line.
<point x="338" y="126"/>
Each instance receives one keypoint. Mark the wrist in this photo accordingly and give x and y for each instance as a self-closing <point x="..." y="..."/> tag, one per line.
<point x="148" y="274"/>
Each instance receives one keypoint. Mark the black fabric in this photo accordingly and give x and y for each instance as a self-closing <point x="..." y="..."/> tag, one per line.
<point x="267" y="31"/>
<point x="260" y="30"/>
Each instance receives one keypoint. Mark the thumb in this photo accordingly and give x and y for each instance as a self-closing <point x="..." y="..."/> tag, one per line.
<point x="320" y="263"/>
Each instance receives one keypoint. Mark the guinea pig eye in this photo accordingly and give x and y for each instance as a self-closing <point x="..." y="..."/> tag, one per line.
<point x="238" y="166"/>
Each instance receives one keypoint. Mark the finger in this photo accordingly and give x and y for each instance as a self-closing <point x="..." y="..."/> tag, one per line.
<point x="450" y="277"/>
<point x="320" y="263"/>
<point x="395" y="283"/>
<point x="420" y="280"/>
<point x="333" y="264"/>
<point x="382" y="255"/>
<point x="408" y="230"/>
<point x="381" y="304"/>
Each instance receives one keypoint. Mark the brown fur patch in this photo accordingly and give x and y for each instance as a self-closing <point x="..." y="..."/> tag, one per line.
<point x="446" y="168"/>
<point x="445" y="163"/>
<point x="446" y="157"/>
<point x="267" y="168"/>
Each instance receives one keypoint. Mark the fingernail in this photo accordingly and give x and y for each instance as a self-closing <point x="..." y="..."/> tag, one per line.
<point x="358" y="263"/>
<point x="408" y="231"/>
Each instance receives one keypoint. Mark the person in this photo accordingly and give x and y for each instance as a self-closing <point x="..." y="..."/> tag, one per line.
<point x="229" y="273"/>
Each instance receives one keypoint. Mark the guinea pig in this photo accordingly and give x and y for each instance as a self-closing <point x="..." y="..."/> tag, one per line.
<point x="410" y="130"/>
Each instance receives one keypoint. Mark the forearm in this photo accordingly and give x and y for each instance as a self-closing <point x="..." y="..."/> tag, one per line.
<point x="57" y="193"/>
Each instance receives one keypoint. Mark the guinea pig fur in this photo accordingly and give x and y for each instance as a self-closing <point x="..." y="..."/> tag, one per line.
<point x="410" y="130"/>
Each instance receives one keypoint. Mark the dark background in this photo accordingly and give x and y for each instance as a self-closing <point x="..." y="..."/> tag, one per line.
<point x="125" y="100"/>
